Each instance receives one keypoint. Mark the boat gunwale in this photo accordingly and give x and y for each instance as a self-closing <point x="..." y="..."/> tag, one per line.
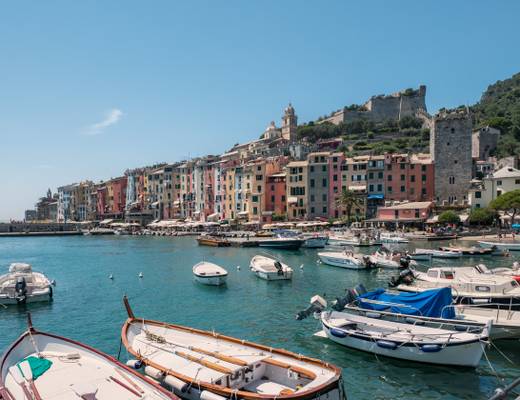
<point x="326" y="387"/>
<point x="32" y="332"/>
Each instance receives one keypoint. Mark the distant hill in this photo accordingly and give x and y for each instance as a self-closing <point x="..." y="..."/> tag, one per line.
<point x="499" y="107"/>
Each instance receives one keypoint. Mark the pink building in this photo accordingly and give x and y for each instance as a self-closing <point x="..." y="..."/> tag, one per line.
<point x="409" y="177"/>
<point x="336" y="162"/>
<point x="405" y="212"/>
<point x="275" y="200"/>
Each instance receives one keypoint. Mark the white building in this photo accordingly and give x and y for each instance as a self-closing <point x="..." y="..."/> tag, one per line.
<point x="484" y="192"/>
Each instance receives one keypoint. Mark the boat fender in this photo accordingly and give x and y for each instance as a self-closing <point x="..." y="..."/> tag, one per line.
<point x="414" y="321"/>
<point x="206" y="395"/>
<point x="370" y="314"/>
<point x="386" y="344"/>
<point x="337" y="332"/>
<point x="134" y="364"/>
<point x="176" y="383"/>
<point x="431" y="348"/>
<point x="153" y="373"/>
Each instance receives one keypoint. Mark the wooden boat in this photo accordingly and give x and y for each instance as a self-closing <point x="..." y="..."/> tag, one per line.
<point x="469" y="251"/>
<point x="42" y="365"/>
<point x="209" y="274"/>
<point x="270" y="269"/>
<point x="23" y="285"/>
<point x="209" y="365"/>
<point x="502" y="245"/>
<point x="206" y="240"/>
<point x="343" y="259"/>
<point x="404" y="341"/>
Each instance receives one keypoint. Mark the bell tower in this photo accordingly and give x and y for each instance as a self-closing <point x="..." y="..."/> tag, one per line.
<point x="289" y="124"/>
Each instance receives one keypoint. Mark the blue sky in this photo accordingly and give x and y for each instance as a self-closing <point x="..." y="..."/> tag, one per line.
<point x="90" y="88"/>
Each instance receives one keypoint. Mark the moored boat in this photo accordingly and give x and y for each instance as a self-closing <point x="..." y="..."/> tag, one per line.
<point x="389" y="237"/>
<point x="270" y="269"/>
<point x="502" y="245"/>
<point x="286" y="243"/>
<point x="345" y="259"/>
<point x="439" y="253"/>
<point x="385" y="258"/>
<point x="209" y="274"/>
<point x="207" y="240"/>
<point x="314" y="241"/>
<point x="469" y="251"/>
<point x="42" y="365"/>
<point x="23" y="285"/>
<point x="207" y="365"/>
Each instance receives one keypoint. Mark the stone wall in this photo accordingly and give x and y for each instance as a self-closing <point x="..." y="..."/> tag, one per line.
<point x="38" y="227"/>
<point x="450" y="148"/>
<point x="485" y="141"/>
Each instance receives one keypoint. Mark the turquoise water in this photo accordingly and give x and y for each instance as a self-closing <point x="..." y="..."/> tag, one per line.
<point x="87" y="306"/>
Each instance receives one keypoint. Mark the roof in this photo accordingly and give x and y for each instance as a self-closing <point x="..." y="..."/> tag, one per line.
<point x="297" y="164"/>
<point x="507" y="172"/>
<point x="406" y="206"/>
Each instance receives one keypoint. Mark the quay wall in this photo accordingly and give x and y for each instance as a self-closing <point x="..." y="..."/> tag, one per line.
<point x="22" y="227"/>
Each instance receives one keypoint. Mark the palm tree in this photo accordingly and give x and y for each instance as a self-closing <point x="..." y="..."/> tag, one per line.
<point x="349" y="199"/>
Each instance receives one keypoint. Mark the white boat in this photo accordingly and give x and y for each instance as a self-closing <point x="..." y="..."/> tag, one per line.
<point x="389" y="237"/>
<point x="439" y="253"/>
<point x="206" y="365"/>
<point x="389" y="259"/>
<point x="467" y="285"/>
<point x="404" y="341"/>
<point x="23" y="285"/>
<point x="41" y="365"/>
<point x="270" y="269"/>
<point x="286" y="243"/>
<point x="502" y="245"/>
<point x="209" y="274"/>
<point x="343" y="259"/>
<point x="418" y="256"/>
<point x="353" y="241"/>
<point x="314" y="241"/>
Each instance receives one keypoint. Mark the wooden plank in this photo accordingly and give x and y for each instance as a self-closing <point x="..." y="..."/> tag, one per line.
<point x="302" y="371"/>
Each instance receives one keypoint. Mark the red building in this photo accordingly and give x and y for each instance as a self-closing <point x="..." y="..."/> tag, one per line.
<point x="275" y="200"/>
<point x="409" y="177"/>
<point x="111" y="199"/>
<point x="405" y="212"/>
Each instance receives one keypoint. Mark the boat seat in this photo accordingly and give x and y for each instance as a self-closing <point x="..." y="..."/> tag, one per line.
<point x="267" y="387"/>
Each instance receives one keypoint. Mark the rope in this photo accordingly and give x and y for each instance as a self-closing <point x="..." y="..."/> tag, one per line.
<point x="491" y="366"/>
<point x="502" y="354"/>
<point x="119" y="352"/>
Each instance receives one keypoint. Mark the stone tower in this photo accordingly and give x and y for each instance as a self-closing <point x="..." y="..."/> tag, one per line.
<point x="450" y="148"/>
<point x="289" y="124"/>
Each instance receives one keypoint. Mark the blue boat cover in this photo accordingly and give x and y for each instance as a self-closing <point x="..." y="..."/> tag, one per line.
<point x="430" y="303"/>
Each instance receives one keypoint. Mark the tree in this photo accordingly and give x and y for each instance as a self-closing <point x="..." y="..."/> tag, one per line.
<point x="481" y="216"/>
<point x="449" y="217"/>
<point x="508" y="202"/>
<point x="349" y="199"/>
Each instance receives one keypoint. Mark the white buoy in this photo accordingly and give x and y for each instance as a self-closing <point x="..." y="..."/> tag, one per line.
<point x="140" y="274"/>
<point x="110" y="276"/>
<point x="301" y="266"/>
<point x="238" y="267"/>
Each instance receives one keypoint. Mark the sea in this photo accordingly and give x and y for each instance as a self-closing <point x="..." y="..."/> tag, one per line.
<point x="88" y="307"/>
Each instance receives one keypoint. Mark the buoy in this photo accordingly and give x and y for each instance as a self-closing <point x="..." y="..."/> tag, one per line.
<point x="238" y="267"/>
<point x="301" y="266"/>
<point x="176" y="383"/>
<point x="110" y="276"/>
<point x="134" y="364"/>
<point x="140" y="274"/>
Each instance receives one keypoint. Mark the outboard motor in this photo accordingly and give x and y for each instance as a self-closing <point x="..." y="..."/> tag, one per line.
<point x="405" y="276"/>
<point x="279" y="267"/>
<point x="404" y="262"/>
<point x="318" y="304"/>
<point x="20" y="289"/>
<point x="368" y="262"/>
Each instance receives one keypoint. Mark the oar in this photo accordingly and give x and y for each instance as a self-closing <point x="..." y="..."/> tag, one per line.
<point x="126" y="378"/>
<point x="125" y="386"/>
<point x="18" y="378"/>
<point x="25" y="369"/>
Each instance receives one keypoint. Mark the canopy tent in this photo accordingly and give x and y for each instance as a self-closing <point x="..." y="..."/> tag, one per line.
<point x="435" y="303"/>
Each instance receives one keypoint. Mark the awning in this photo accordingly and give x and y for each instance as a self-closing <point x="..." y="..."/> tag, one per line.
<point x="292" y="200"/>
<point x="375" y="196"/>
<point x="243" y="213"/>
<point x="106" y="221"/>
<point x="177" y="203"/>
<point x="357" y="188"/>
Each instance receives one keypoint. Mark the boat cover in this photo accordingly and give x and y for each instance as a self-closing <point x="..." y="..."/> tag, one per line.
<point x="430" y="303"/>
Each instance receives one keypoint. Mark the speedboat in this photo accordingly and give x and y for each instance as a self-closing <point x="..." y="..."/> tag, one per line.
<point x="502" y="245"/>
<point x="209" y="274"/>
<point x="469" y="251"/>
<point x="42" y="365"/>
<point x="314" y="241"/>
<point x="426" y="344"/>
<point x="439" y="253"/>
<point x="419" y="256"/>
<point x="388" y="237"/>
<point x="23" y="285"/>
<point x="389" y="259"/>
<point x="286" y="243"/>
<point x="198" y="364"/>
<point x="270" y="269"/>
<point x="467" y="285"/>
<point x="345" y="259"/>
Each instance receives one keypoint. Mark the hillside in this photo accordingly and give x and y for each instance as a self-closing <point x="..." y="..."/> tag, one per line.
<point x="499" y="107"/>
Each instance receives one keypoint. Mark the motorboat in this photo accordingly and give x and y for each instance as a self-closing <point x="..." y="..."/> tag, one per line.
<point x="467" y="285"/>
<point x="42" y="365"/>
<point x="344" y="259"/>
<point x="286" y="243"/>
<point x="198" y="364"/>
<point x="314" y="241"/>
<point x="389" y="237"/>
<point x="23" y="285"/>
<point x="207" y="240"/>
<point x="430" y="308"/>
<point x="412" y="342"/>
<point x="209" y="274"/>
<point x="419" y="256"/>
<point x="507" y="245"/>
<point x="435" y="253"/>
<point x="356" y="241"/>
<point x="384" y="258"/>
<point x="270" y="269"/>
<point x="470" y="251"/>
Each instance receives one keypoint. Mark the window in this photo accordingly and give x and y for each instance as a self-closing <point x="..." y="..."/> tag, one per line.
<point x="259" y="177"/>
<point x="478" y="195"/>
<point x="423" y="178"/>
<point x="312" y="210"/>
<point x="324" y="168"/>
<point x="403" y="177"/>
<point x="300" y="170"/>
<point x="423" y="168"/>
<point x="255" y="210"/>
<point x="403" y="189"/>
<point x="324" y="182"/>
<point x="517" y="181"/>
<point x="324" y="209"/>
<point x="255" y="199"/>
<point x="259" y="189"/>
<point x="499" y="183"/>
<point x="272" y="199"/>
<point x="389" y="178"/>
<point x="370" y="188"/>
<point x="423" y="191"/>
<point x="451" y="180"/>
<point x="335" y="178"/>
<point x="312" y="197"/>
<point x="389" y="167"/>
<point x="402" y="165"/>
<point x="380" y="175"/>
<point x="412" y="178"/>
<point x="379" y="188"/>
<point x="370" y="175"/>
<point x="389" y="189"/>
<point x="417" y="213"/>
<point x="312" y="183"/>
<point x="324" y="197"/>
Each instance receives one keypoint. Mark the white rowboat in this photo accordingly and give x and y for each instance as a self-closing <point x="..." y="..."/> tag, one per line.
<point x="209" y="274"/>
<point x="270" y="269"/>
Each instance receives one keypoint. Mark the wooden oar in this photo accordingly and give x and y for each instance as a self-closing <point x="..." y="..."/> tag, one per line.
<point x="131" y="382"/>
<point x="17" y="376"/>
<point x="26" y="370"/>
<point x="125" y="386"/>
<point x="200" y="361"/>
<point x="229" y="359"/>
<point x="302" y="371"/>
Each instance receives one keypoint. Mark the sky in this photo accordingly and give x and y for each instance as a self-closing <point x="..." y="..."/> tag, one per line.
<point x="90" y="88"/>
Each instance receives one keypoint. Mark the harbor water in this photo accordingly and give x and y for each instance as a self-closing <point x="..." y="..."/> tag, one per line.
<point x="88" y="306"/>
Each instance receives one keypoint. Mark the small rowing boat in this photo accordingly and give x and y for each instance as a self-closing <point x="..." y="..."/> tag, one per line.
<point x="198" y="364"/>
<point x="270" y="269"/>
<point x="42" y="365"/>
<point x="209" y="274"/>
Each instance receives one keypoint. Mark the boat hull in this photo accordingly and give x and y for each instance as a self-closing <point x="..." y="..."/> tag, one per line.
<point x="34" y="298"/>
<point x="500" y="245"/>
<point x="283" y="245"/>
<point x="273" y="276"/>
<point x="339" y="262"/>
<point x="215" y="280"/>
<point x="315" y="243"/>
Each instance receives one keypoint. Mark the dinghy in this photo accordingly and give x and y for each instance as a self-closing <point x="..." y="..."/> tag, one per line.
<point x="405" y="341"/>
<point x="345" y="259"/>
<point x="41" y="365"/>
<point x="385" y="258"/>
<point x="23" y="285"/>
<point x="209" y="274"/>
<point x="199" y="364"/>
<point x="270" y="269"/>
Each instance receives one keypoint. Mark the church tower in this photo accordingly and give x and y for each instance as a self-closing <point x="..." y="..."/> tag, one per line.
<point x="289" y="124"/>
